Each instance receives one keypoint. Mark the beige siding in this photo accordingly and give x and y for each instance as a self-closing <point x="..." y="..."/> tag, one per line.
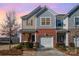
<point x="29" y="26"/>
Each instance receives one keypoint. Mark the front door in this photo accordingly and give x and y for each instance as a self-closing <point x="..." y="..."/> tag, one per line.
<point x="61" y="38"/>
<point x="33" y="38"/>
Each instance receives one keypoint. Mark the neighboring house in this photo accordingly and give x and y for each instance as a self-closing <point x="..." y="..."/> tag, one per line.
<point x="5" y="40"/>
<point x="14" y="39"/>
<point x="73" y="24"/>
<point x="48" y="28"/>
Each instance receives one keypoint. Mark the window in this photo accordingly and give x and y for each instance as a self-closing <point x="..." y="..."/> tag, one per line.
<point x="76" y="20"/>
<point x="29" y="22"/>
<point x="45" y="21"/>
<point x="59" y="23"/>
<point x="26" y="22"/>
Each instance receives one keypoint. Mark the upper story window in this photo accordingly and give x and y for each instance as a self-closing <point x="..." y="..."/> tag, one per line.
<point x="59" y="23"/>
<point x="45" y="21"/>
<point x="76" y="20"/>
<point x="29" y="22"/>
<point x="26" y="22"/>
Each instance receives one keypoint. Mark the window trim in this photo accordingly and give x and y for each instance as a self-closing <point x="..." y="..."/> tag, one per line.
<point x="41" y="21"/>
<point x="75" y="21"/>
<point x="26" y="22"/>
<point x="29" y="22"/>
<point x="59" y="26"/>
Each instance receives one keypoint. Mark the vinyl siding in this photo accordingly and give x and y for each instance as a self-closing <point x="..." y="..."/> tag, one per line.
<point x="25" y="26"/>
<point x="65" y="22"/>
<point x="47" y="14"/>
<point x="71" y="20"/>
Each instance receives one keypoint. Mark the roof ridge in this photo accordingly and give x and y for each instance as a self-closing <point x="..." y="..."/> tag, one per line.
<point x="32" y="12"/>
<point x="72" y="10"/>
<point x="44" y="8"/>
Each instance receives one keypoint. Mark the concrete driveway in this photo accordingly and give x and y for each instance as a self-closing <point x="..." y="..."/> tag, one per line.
<point x="47" y="52"/>
<point x="50" y="52"/>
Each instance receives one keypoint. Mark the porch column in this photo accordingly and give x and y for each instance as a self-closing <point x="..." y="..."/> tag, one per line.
<point x="20" y="37"/>
<point x="35" y="37"/>
<point x="66" y="41"/>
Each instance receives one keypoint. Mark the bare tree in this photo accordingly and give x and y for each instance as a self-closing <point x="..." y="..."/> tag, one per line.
<point x="10" y="26"/>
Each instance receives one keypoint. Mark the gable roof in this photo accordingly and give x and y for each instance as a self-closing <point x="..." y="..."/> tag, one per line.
<point x="32" y="13"/>
<point x="52" y="11"/>
<point x="45" y="9"/>
<point x="42" y="11"/>
<point x="73" y="10"/>
<point x="37" y="12"/>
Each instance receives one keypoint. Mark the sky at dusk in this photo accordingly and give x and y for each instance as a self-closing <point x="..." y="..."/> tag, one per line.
<point x="24" y="8"/>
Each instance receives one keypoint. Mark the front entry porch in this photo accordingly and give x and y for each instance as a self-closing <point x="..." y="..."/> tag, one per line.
<point x="28" y="37"/>
<point x="62" y="38"/>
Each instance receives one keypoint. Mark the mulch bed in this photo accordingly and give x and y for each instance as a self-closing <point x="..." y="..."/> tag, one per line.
<point x="71" y="53"/>
<point x="11" y="52"/>
<point x="16" y="52"/>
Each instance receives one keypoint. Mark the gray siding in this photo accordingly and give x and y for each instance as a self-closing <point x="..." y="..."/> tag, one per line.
<point x="25" y="26"/>
<point x="71" y="20"/>
<point x="47" y="14"/>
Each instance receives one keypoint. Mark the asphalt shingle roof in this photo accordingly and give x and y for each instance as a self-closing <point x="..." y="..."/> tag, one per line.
<point x="32" y="13"/>
<point x="42" y="11"/>
<point x="73" y="10"/>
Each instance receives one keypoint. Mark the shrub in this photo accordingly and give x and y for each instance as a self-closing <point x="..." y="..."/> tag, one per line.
<point x="19" y="46"/>
<point x="31" y="45"/>
<point x="37" y="45"/>
<point x="24" y="45"/>
<point x="27" y="45"/>
<point x="72" y="44"/>
<point x="60" y="45"/>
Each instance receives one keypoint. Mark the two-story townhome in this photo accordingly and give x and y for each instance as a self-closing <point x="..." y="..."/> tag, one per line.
<point x="73" y="25"/>
<point x="40" y="27"/>
<point x="48" y="28"/>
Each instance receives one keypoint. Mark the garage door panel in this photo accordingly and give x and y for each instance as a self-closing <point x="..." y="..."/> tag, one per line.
<point x="47" y="42"/>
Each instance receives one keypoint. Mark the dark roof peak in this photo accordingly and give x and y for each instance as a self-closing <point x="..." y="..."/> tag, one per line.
<point x="37" y="12"/>
<point x="32" y="13"/>
<point x="74" y="9"/>
<point x="42" y="10"/>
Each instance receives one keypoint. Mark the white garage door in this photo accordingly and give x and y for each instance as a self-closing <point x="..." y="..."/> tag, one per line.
<point x="76" y="41"/>
<point x="46" y="42"/>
